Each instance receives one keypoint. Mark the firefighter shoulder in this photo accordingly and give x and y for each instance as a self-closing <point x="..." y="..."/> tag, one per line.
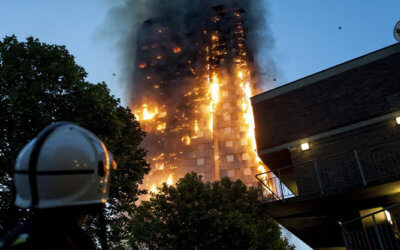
<point x="61" y="176"/>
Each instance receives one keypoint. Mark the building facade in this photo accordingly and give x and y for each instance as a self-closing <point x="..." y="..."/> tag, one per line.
<point x="191" y="91"/>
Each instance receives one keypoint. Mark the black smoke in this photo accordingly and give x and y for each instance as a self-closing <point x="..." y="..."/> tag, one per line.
<point x="126" y="17"/>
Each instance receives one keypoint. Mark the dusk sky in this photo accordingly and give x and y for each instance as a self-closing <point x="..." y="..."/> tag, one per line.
<point x="306" y="33"/>
<point x="309" y="35"/>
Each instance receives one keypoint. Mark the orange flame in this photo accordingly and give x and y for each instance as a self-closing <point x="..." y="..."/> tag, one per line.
<point x="161" y="126"/>
<point x="170" y="180"/>
<point x="145" y="114"/>
<point x="177" y="50"/>
<point x="186" y="139"/>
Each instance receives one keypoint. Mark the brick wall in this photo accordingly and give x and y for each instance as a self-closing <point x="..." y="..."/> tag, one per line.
<point x="352" y="96"/>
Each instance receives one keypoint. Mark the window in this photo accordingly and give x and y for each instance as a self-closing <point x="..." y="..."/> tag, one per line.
<point x="229" y="158"/>
<point x="246" y="171"/>
<point x="225" y="105"/>
<point x="231" y="173"/>
<point x="227" y="117"/>
<point x="200" y="161"/>
<point x="242" y="129"/>
<point x="243" y="142"/>
<point x="245" y="156"/>
<point x="228" y="144"/>
<point x="228" y="130"/>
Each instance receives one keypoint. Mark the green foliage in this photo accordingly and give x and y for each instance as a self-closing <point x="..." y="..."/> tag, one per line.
<point x="41" y="84"/>
<point x="197" y="215"/>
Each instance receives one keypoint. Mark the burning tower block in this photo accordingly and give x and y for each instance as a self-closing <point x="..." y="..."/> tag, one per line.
<point x="195" y="105"/>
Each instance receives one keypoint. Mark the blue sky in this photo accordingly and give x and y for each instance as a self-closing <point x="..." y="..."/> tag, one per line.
<point x="306" y="33"/>
<point x="308" y="38"/>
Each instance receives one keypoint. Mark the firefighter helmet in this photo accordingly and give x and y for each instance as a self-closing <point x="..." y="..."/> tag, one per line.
<point x="65" y="165"/>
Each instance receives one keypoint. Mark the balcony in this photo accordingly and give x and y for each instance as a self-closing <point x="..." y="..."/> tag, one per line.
<point x="376" y="230"/>
<point x="359" y="168"/>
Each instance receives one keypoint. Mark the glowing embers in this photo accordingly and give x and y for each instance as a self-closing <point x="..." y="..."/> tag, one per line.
<point x="177" y="49"/>
<point x="159" y="166"/>
<point x="161" y="126"/>
<point x="145" y="114"/>
<point x="196" y="126"/>
<point x="142" y="65"/>
<point x="159" y="157"/>
<point x="186" y="140"/>
<point x="162" y="114"/>
<point x="214" y="38"/>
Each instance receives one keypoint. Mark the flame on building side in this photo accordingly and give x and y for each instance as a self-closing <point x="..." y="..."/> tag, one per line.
<point x="196" y="107"/>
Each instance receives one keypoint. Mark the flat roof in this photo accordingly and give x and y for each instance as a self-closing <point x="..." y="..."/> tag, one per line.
<point x="327" y="73"/>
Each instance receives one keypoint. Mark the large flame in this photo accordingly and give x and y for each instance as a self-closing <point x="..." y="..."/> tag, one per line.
<point x="145" y="114"/>
<point x="170" y="180"/>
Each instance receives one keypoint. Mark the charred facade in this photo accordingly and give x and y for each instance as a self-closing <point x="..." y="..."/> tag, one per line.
<point x="195" y="105"/>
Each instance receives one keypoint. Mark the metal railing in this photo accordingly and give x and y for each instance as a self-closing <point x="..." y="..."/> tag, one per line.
<point x="377" y="230"/>
<point x="332" y="174"/>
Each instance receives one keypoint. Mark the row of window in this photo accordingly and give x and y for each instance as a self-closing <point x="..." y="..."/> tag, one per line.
<point x="232" y="174"/>
<point x="229" y="158"/>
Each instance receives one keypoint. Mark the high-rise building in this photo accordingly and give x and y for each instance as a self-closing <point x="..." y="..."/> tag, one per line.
<point x="191" y="91"/>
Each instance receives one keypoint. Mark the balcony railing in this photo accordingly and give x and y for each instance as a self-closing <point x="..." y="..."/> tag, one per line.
<point x="377" y="230"/>
<point x="332" y="174"/>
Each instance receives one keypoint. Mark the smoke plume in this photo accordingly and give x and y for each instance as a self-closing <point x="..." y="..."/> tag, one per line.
<point x="127" y="16"/>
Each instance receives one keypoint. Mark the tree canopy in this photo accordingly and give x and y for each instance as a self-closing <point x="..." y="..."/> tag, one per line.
<point x="41" y="84"/>
<point x="197" y="215"/>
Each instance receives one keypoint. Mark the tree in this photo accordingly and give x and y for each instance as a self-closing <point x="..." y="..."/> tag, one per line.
<point x="41" y="84"/>
<point x="197" y="215"/>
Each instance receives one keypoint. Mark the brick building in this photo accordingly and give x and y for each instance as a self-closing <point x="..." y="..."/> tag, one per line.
<point x="332" y="139"/>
